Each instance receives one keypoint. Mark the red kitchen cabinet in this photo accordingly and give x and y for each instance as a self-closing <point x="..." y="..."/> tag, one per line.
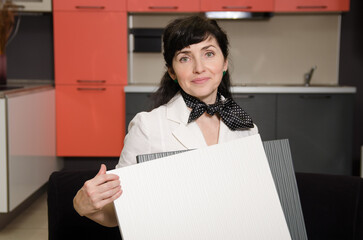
<point x="238" y="5"/>
<point x="90" y="47"/>
<point x="312" y="5"/>
<point x="163" y="6"/>
<point x="90" y="56"/>
<point x="90" y="120"/>
<point x="106" y="5"/>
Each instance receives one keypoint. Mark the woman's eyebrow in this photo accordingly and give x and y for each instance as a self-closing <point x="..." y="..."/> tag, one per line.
<point x="188" y="51"/>
<point x="208" y="46"/>
<point x="182" y="52"/>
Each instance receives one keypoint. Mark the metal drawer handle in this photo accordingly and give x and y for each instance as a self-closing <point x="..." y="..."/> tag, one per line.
<point x="19" y="6"/>
<point x="90" y="7"/>
<point x="315" y="97"/>
<point x="163" y="7"/>
<point x="243" y="96"/>
<point x="312" y="7"/>
<point x="91" y="81"/>
<point x="91" y="89"/>
<point x="236" y="7"/>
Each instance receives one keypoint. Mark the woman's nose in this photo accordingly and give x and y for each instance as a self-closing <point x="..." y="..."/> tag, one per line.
<point x="198" y="66"/>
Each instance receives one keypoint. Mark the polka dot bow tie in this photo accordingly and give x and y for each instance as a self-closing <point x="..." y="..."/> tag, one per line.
<point x="231" y="114"/>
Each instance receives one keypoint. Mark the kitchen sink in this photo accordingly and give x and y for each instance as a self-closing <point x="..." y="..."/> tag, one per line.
<point x="4" y="87"/>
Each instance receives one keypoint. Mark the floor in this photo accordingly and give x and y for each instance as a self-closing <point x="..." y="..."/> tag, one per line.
<point x="32" y="224"/>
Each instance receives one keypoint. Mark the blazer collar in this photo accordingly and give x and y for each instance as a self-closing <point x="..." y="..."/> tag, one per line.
<point x="189" y="135"/>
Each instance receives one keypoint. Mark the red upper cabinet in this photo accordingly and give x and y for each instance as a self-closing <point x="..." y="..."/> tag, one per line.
<point x="311" y="5"/>
<point x="90" y="47"/>
<point x="104" y="5"/>
<point x="163" y="6"/>
<point x="238" y="5"/>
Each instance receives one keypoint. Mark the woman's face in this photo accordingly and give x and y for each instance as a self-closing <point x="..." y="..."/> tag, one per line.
<point x="199" y="69"/>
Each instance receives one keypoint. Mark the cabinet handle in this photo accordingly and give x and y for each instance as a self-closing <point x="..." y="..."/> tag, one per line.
<point x="20" y="6"/>
<point x="90" y="7"/>
<point x="236" y="7"/>
<point x="243" y="96"/>
<point x="163" y="7"/>
<point x="312" y="7"/>
<point x="315" y="97"/>
<point x="91" y="81"/>
<point x="91" y="89"/>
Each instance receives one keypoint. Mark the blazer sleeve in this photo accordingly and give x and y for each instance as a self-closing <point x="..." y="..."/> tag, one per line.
<point x="136" y="141"/>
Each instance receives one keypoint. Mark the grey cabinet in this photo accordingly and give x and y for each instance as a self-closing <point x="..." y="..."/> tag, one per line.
<point x="262" y="109"/>
<point x="319" y="129"/>
<point x="135" y="103"/>
<point x="318" y="126"/>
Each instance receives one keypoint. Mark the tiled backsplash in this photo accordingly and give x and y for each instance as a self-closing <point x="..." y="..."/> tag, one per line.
<point x="263" y="52"/>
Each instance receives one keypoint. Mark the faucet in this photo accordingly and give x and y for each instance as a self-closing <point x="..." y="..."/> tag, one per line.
<point x="308" y="75"/>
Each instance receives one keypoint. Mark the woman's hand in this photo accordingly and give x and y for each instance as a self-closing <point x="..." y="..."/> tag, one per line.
<point x="96" y="193"/>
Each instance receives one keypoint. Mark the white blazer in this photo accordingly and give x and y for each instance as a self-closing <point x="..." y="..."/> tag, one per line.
<point x="165" y="129"/>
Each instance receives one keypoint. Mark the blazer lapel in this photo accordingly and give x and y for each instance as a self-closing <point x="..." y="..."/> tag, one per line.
<point x="225" y="134"/>
<point x="189" y="135"/>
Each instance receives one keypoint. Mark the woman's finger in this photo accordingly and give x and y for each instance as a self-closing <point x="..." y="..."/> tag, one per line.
<point x="106" y="201"/>
<point x="110" y="193"/>
<point x="98" y="192"/>
<point x="102" y="170"/>
<point x="100" y="179"/>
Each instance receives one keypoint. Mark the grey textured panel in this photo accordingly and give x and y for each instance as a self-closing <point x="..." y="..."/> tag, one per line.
<point x="280" y="161"/>
<point x="148" y="157"/>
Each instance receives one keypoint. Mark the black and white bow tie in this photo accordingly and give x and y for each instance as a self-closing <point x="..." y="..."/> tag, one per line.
<point x="231" y="114"/>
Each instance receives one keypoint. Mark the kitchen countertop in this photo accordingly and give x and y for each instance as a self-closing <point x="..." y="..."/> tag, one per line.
<point x="27" y="86"/>
<point x="261" y="89"/>
<point x="40" y="85"/>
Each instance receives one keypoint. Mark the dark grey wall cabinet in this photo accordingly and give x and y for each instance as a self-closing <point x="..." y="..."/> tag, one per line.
<point x="350" y="71"/>
<point x="319" y="129"/>
<point x="30" y="52"/>
<point x="135" y="103"/>
<point x="318" y="126"/>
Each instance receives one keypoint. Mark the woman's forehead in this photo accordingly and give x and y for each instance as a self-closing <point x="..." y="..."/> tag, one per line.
<point x="210" y="40"/>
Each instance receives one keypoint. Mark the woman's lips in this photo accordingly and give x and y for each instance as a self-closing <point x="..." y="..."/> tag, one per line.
<point x="200" y="80"/>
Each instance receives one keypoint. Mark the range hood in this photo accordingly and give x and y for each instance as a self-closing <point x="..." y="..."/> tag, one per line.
<point x="239" y="15"/>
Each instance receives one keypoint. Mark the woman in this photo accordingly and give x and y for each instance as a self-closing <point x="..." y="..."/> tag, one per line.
<point x="193" y="109"/>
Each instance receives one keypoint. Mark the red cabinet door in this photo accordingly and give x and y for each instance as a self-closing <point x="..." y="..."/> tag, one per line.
<point x="311" y="5"/>
<point x="106" y="5"/>
<point x="163" y="6"/>
<point x="238" y="5"/>
<point x="90" y="120"/>
<point x="90" y="47"/>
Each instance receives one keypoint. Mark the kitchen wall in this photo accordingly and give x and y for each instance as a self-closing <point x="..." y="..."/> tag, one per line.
<point x="274" y="51"/>
<point x="263" y="52"/>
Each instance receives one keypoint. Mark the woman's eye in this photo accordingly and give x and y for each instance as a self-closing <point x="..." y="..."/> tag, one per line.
<point x="183" y="59"/>
<point x="209" y="54"/>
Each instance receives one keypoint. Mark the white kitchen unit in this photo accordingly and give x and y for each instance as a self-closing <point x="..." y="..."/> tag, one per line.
<point x="27" y="144"/>
<point x="3" y="158"/>
<point x="34" y="5"/>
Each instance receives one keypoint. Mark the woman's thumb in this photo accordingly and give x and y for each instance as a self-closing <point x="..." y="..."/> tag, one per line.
<point x="102" y="170"/>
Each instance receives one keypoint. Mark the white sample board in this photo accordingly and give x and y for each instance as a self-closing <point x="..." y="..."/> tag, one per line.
<point x="224" y="191"/>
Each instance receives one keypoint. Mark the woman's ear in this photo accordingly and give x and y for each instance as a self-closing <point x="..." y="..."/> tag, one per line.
<point x="225" y="66"/>
<point x="171" y="73"/>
